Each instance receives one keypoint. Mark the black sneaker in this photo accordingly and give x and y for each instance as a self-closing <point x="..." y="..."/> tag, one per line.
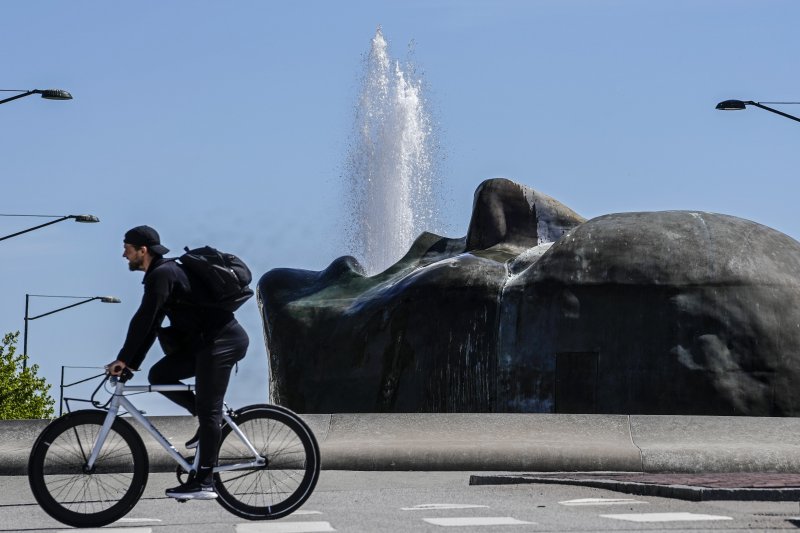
<point x="193" y="442"/>
<point x="193" y="490"/>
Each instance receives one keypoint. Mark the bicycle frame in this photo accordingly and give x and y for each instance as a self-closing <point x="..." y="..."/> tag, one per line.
<point x="119" y="400"/>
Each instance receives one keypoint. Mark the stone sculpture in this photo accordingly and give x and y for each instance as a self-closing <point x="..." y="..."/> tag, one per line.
<point x="539" y="310"/>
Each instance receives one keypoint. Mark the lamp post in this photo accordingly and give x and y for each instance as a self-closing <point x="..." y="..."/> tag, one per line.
<point x="84" y="300"/>
<point x="738" y="105"/>
<point x="76" y="218"/>
<point x="47" y="94"/>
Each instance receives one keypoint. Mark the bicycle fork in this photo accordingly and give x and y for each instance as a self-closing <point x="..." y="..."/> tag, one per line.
<point x="113" y="409"/>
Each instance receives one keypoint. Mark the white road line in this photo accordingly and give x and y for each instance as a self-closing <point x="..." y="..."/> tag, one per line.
<point x="665" y="517"/>
<point x="110" y="530"/>
<point x="600" y="501"/>
<point x="304" y="512"/>
<point x="476" y="521"/>
<point x="284" y="527"/>
<point x="139" y="520"/>
<point x="439" y="506"/>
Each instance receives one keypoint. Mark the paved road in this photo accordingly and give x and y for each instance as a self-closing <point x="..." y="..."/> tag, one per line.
<point x="423" y="501"/>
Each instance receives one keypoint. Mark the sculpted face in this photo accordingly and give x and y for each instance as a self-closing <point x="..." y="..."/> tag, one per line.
<point x="135" y="256"/>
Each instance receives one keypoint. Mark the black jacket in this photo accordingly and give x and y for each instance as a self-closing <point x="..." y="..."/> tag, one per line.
<point x="168" y="291"/>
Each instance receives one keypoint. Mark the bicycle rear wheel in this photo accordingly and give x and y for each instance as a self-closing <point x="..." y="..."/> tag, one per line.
<point x="77" y="497"/>
<point x="291" y="471"/>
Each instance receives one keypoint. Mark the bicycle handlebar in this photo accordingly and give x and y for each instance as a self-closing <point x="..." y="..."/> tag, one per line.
<point x="126" y="375"/>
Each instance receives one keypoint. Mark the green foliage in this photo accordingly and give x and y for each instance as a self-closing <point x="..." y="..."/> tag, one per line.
<point x="22" y="394"/>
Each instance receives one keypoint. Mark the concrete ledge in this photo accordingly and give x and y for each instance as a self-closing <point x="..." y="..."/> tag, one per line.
<point x="717" y="443"/>
<point x="464" y="441"/>
<point x="16" y="440"/>
<point x="504" y="442"/>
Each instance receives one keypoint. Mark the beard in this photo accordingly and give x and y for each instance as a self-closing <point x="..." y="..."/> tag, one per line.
<point x="134" y="265"/>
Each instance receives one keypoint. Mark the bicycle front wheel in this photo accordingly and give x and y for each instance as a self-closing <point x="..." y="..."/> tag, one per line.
<point x="290" y="474"/>
<point x="75" y="495"/>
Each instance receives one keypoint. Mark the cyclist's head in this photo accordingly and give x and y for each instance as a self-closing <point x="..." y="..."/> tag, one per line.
<point x="142" y="245"/>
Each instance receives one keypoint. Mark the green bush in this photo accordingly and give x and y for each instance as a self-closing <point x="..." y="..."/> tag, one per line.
<point x="22" y="394"/>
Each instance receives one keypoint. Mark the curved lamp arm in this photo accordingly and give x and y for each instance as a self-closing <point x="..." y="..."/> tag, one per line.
<point x="86" y="300"/>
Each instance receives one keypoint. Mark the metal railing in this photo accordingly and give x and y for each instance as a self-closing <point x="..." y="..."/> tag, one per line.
<point x="62" y="400"/>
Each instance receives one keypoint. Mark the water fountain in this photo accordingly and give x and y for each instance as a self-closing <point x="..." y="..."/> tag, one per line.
<point x="391" y="166"/>
<point x="535" y="309"/>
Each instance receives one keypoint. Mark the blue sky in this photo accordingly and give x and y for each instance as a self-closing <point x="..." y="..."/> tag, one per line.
<point x="227" y="124"/>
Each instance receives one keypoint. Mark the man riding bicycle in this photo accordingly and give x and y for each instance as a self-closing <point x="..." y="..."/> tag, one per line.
<point x="201" y="341"/>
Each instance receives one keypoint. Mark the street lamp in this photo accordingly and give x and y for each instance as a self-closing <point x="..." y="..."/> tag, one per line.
<point x="47" y="94"/>
<point x="84" y="300"/>
<point x="738" y="105"/>
<point x="76" y="218"/>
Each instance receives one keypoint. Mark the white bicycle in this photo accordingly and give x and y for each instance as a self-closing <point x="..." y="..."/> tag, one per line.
<point x="88" y="468"/>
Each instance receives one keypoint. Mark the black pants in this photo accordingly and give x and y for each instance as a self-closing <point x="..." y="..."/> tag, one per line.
<point x="211" y="363"/>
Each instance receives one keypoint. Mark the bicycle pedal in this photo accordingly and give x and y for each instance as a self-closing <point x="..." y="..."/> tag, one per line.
<point x="181" y="500"/>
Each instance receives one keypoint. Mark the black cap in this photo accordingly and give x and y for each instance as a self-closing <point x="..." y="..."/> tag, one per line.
<point x="145" y="236"/>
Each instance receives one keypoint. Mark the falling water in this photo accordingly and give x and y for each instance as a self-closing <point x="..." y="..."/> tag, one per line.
<point x="392" y="163"/>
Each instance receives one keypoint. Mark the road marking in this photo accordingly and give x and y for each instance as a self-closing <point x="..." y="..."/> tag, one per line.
<point x="600" y="501"/>
<point x="476" y="521"/>
<point x="111" y="530"/>
<point x="139" y="520"/>
<point x="439" y="506"/>
<point x="284" y="527"/>
<point x="665" y="517"/>
<point x="303" y="512"/>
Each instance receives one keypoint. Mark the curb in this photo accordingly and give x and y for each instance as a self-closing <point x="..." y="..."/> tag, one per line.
<point x="679" y="492"/>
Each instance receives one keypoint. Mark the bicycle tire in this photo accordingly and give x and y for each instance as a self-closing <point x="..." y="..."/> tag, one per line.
<point x="66" y="491"/>
<point x="290" y="474"/>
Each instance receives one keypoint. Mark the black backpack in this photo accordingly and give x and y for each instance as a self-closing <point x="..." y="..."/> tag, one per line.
<point x="224" y="278"/>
